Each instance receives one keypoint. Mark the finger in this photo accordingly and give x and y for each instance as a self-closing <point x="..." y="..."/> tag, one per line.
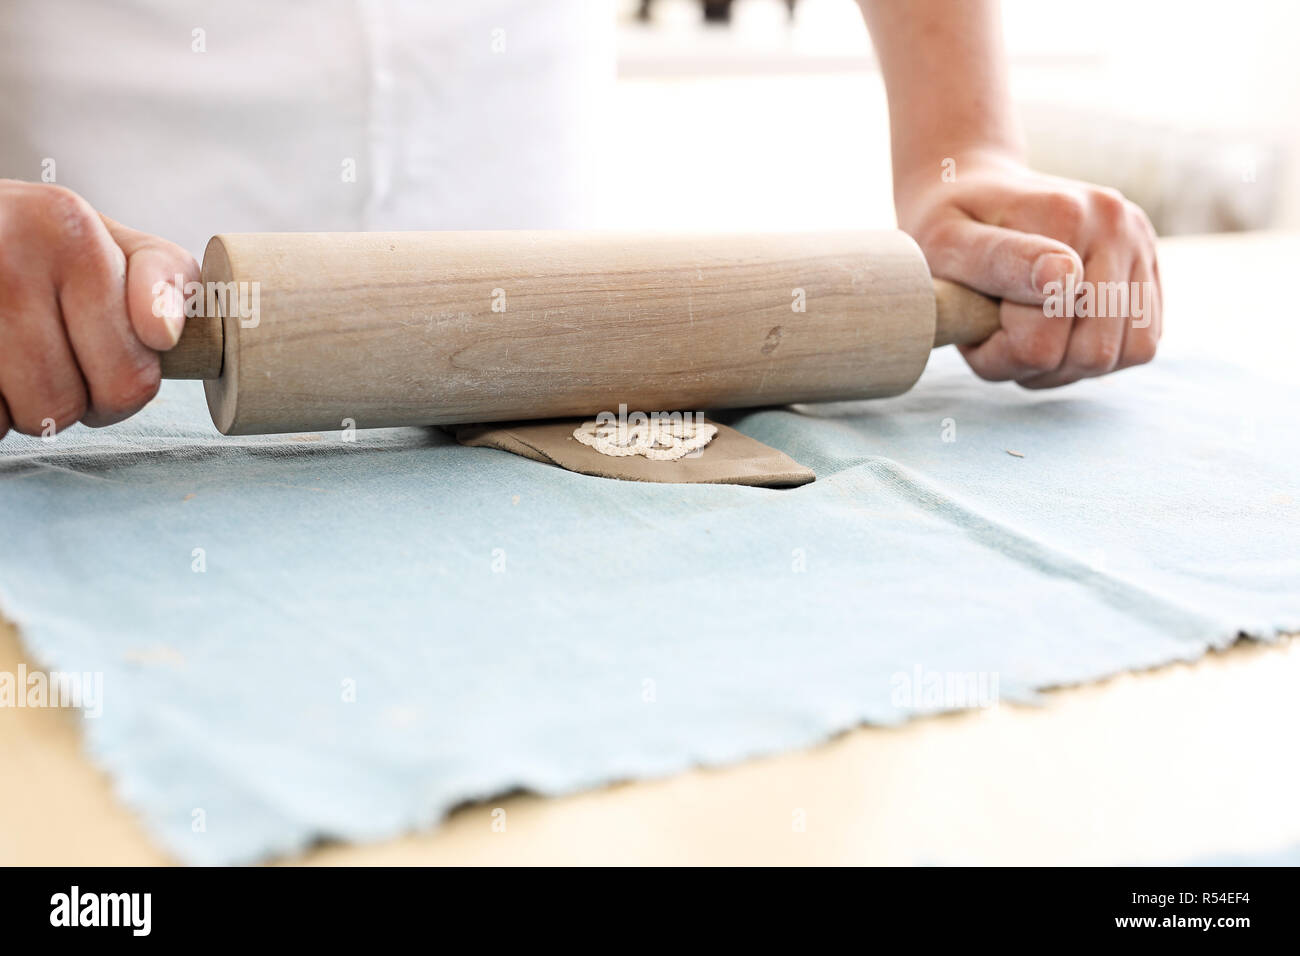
<point x="1145" y="226"/>
<point x="5" y="421"/>
<point x="38" y="373"/>
<point x="1004" y="263"/>
<point x="1028" y="343"/>
<point x="156" y="274"/>
<point x="1143" y="334"/>
<point x="1061" y="213"/>
<point x="1097" y="339"/>
<point x="120" y="372"/>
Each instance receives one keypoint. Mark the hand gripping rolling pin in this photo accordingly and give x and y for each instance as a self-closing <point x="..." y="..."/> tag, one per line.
<point x="429" y="328"/>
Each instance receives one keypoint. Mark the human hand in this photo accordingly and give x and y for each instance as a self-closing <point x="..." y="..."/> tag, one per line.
<point x="80" y="323"/>
<point x="1008" y="231"/>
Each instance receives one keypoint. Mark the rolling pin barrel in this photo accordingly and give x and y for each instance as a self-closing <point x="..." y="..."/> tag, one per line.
<point x="306" y="331"/>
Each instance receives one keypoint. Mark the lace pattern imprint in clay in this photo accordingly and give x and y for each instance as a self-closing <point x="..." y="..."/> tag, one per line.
<point x="658" y="439"/>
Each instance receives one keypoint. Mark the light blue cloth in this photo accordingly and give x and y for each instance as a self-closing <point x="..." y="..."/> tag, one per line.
<point x="507" y="624"/>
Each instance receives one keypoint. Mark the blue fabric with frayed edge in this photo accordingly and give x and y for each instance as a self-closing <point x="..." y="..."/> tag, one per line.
<point x="506" y="624"/>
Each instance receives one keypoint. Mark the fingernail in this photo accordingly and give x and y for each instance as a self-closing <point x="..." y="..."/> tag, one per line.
<point x="1051" y="267"/>
<point x="173" y="308"/>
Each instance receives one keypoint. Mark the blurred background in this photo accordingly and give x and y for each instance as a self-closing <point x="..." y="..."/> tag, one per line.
<point x="772" y="114"/>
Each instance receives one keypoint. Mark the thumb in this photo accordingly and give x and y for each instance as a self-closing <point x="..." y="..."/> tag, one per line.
<point x="156" y="273"/>
<point x="1003" y="263"/>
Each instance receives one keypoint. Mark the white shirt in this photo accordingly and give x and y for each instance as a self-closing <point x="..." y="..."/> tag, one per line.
<point x="190" y="118"/>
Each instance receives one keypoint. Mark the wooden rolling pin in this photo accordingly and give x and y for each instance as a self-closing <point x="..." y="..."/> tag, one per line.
<point x="425" y="328"/>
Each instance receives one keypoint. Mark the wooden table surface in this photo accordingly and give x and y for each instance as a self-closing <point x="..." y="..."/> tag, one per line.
<point x="1185" y="762"/>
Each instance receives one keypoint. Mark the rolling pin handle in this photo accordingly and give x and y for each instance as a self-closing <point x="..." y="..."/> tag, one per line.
<point x="198" y="353"/>
<point x="962" y="316"/>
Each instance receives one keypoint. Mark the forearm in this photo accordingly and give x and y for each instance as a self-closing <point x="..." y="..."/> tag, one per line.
<point x="944" y="71"/>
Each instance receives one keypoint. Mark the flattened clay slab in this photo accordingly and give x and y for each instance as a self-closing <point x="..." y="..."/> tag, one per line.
<point x="730" y="459"/>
